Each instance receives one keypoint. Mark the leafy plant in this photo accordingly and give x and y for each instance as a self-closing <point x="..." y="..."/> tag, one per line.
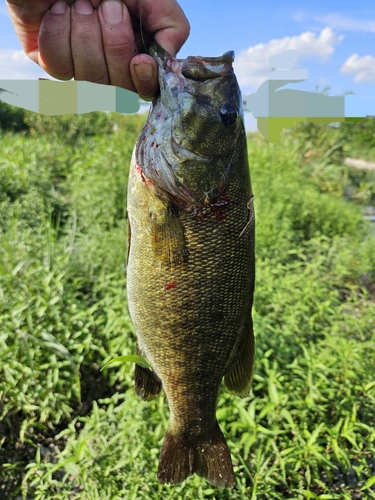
<point x="307" y="428"/>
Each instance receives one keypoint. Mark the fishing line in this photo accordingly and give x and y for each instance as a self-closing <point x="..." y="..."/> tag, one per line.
<point x="141" y="28"/>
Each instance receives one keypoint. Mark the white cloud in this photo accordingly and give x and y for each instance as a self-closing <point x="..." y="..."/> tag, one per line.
<point x="251" y="65"/>
<point x="362" y="67"/>
<point x="321" y="82"/>
<point x="15" y="65"/>
<point x="339" y="21"/>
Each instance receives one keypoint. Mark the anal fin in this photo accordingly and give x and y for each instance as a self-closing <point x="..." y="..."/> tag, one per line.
<point x="239" y="377"/>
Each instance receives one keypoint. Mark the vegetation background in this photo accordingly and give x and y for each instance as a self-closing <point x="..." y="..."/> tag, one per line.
<point x="71" y="431"/>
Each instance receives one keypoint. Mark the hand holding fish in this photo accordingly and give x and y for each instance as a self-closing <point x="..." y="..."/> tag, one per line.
<point x="99" y="40"/>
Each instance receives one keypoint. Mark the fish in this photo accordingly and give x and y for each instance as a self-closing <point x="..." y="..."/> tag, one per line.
<point x="191" y="262"/>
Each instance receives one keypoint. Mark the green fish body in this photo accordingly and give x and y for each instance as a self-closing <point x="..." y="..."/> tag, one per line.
<point x="190" y="273"/>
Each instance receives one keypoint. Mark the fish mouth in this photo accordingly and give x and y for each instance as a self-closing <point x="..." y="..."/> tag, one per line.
<point x="158" y="53"/>
<point x="197" y="68"/>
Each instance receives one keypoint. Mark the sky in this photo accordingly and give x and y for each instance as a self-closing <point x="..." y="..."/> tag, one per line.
<point x="335" y="41"/>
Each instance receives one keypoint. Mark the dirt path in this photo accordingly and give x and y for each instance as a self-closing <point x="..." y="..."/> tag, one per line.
<point x="357" y="163"/>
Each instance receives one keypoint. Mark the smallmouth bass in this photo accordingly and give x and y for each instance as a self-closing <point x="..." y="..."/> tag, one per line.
<point x="190" y="272"/>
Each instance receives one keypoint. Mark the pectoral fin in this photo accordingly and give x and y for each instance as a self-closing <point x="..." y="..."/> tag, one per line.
<point x="167" y="236"/>
<point x="239" y="377"/>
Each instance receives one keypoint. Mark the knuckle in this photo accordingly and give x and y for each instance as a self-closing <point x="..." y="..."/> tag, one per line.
<point x="119" y="45"/>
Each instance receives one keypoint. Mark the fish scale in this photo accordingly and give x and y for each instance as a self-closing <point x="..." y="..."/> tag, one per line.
<point x="190" y="274"/>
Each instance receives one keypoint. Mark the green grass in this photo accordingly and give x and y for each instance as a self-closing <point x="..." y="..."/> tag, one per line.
<point x="69" y="431"/>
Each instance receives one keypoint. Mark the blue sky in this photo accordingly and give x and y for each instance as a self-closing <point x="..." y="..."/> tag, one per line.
<point x="335" y="41"/>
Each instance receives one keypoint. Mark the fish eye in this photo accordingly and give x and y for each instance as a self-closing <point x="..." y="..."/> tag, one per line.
<point x="228" y="114"/>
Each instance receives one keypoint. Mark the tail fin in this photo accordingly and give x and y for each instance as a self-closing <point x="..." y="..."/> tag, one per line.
<point x="208" y="457"/>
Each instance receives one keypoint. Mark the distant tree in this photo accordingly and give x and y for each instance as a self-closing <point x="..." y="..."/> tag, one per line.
<point x="12" y="118"/>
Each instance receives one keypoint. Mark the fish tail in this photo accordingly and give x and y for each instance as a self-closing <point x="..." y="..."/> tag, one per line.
<point x="209" y="457"/>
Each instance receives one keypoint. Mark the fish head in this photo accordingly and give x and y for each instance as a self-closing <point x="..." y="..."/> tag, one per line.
<point x="196" y="119"/>
<point x="203" y="94"/>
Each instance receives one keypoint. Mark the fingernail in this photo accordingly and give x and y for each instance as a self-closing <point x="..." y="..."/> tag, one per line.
<point x="147" y="97"/>
<point x="144" y="72"/>
<point x="83" y="7"/>
<point x="58" y="8"/>
<point x="112" y="11"/>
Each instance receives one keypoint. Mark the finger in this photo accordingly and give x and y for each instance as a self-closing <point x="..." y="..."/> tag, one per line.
<point x="172" y="36"/>
<point x="86" y="44"/>
<point x="54" y="42"/>
<point x="26" y="17"/>
<point x="144" y="71"/>
<point x="166" y="20"/>
<point x="118" y="41"/>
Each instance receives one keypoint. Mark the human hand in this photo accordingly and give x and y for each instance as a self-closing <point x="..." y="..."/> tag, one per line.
<point x="99" y="40"/>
